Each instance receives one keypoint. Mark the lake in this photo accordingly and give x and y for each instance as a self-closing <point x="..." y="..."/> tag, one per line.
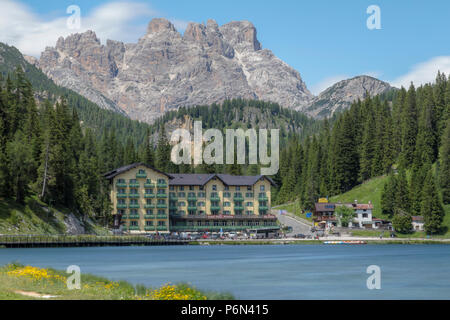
<point x="264" y="271"/>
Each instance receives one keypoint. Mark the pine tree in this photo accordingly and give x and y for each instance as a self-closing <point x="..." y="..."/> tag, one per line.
<point x="163" y="151"/>
<point x="432" y="211"/>
<point x="409" y="128"/>
<point x="388" y="201"/>
<point x="20" y="165"/>
<point x="444" y="165"/>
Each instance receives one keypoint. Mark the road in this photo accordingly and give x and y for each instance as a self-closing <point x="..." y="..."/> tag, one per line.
<point x="297" y="225"/>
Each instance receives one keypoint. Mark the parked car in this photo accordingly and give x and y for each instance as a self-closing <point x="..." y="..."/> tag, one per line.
<point x="300" y="236"/>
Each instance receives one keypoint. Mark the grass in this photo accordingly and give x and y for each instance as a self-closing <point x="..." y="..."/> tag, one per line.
<point x="18" y="282"/>
<point x="368" y="191"/>
<point x="36" y="217"/>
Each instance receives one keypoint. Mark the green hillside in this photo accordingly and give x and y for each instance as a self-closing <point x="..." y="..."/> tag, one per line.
<point x="368" y="191"/>
<point x="371" y="191"/>
<point x="36" y="217"/>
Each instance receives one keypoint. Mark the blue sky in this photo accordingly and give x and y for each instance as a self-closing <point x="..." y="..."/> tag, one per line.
<point x="325" y="41"/>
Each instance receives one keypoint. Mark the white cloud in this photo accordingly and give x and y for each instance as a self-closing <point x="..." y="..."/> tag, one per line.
<point x="424" y="72"/>
<point x="24" y="29"/>
<point x="326" y="83"/>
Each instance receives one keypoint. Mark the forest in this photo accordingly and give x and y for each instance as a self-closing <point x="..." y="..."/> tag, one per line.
<point x="406" y="138"/>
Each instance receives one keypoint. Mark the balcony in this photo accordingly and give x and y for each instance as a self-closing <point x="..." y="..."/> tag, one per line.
<point x="124" y="216"/>
<point x="149" y="185"/>
<point x="263" y="208"/>
<point x="192" y="198"/>
<point x="149" y="228"/>
<point x="141" y="175"/>
<point x="121" y="185"/>
<point x="263" y="198"/>
<point x="162" y="185"/>
<point x="149" y="195"/>
<point x="161" y="206"/>
<point x="215" y="198"/>
<point x="133" y="216"/>
<point x="134" y="185"/>
<point x="161" y="196"/>
<point x="192" y="208"/>
<point x="134" y="206"/>
<point x="135" y="228"/>
<point x="121" y="206"/>
<point x="121" y="195"/>
<point x="161" y="228"/>
<point x="238" y="208"/>
<point x="215" y="208"/>
<point x="149" y="217"/>
<point x="133" y="195"/>
<point x="161" y="216"/>
<point x="149" y="206"/>
<point x="238" y="198"/>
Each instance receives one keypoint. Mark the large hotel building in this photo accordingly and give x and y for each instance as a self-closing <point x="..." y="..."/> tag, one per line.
<point x="146" y="200"/>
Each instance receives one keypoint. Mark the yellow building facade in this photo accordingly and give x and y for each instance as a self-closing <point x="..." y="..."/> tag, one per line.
<point x="146" y="200"/>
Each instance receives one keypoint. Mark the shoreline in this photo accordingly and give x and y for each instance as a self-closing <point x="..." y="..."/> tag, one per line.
<point x="100" y="241"/>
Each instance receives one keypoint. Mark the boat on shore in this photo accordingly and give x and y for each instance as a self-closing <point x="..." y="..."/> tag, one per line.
<point x="346" y="242"/>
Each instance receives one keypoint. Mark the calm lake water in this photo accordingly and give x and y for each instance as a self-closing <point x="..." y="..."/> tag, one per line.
<point x="264" y="272"/>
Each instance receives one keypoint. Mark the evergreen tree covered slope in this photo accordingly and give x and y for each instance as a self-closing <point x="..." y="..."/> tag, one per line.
<point x="369" y="140"/>
<point x="89" y="113"/>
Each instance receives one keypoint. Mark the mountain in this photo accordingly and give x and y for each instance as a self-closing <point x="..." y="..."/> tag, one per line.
<point x="165" y="70"/>
<point x="341" y="95"/>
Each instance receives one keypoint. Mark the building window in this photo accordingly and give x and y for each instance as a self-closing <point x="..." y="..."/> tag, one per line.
<point x="149" y="212"/>
<point x="133" y="223"/>
<point x="149" y="223"/>
<point x="201" y="188"/>
<point x="161" y="223"/>
<point x="249" y="195"/>
<point x="148" y="191"/>
<point x="181" y="188"/>
<point x="181" y="195"/>
<point x="182" y="204"/>
<point x="227" y="188"/>
<point x="238" y="188"/>
<point x="249" y="204"/>
<point x="227" y="204"/>
<point x="121" y="181"/>
<point x="181" y="213"/>
<point x="201" y="194"/>
<point x="227" y="195"/>
<point x="191" y="188"/>
<point x="249" y="213"/>
<point x="249" y="188"/>
<point x="172" y="188"/>
<point x="262" y="188"/>
<point x="214" y="187"/>
<point x="201" y="204"/>
<point x="227" y="212"/>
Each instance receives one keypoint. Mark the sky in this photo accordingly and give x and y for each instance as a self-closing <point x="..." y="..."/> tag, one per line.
<point x="326" y="41"/>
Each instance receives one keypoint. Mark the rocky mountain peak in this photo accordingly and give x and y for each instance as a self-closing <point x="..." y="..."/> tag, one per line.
<point x="242" y="35"/>
<point x="343" y="93"/>
<point x="159" y="25"/>
<point x="165" y="70"/>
